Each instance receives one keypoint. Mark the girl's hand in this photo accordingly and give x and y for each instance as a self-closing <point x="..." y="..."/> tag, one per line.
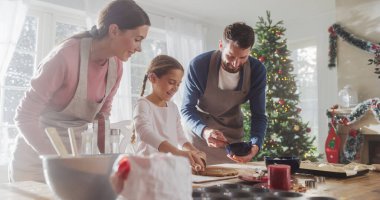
<point x="202" y="155"/>
<point x="194" y="158"/>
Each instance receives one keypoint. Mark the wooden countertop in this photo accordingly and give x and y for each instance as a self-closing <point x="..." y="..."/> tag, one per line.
<point x="366" y="186"/>
<point x="25" y="190"/>
<point x="361" y="187"/>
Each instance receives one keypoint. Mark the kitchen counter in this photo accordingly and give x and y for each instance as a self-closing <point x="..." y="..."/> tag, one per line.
<point x="366" y="186"/>
<point x="25" y="190"/>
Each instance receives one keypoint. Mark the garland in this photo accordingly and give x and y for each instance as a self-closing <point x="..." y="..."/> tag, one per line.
<point x="355" y="138"/>
<point x="352" y="146"/>
<point x="336" y="30"/>
<point x="358" y="112"/>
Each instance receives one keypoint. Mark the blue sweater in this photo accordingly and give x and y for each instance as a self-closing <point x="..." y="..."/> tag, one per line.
<point x="195" y="85"/>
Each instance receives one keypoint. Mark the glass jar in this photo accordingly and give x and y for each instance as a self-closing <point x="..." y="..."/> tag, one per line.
<point x="348" y="97"/>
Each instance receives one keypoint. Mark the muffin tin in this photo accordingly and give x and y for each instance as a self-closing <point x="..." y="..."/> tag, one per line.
<point x="245" y="192"/>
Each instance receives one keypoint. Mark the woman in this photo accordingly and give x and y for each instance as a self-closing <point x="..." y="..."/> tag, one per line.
<point x="75" y="83"/>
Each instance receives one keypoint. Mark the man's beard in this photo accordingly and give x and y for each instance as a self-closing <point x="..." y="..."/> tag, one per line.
<point x="229" y="69"/>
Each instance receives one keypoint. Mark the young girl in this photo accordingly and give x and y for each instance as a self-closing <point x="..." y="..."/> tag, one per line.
<point x="157" y="120"/>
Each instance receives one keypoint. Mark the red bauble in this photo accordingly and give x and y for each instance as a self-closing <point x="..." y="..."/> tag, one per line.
<point x="299" y="110"/>
<point x="281" y="102"/>
<point x="262" y="58"/>
<point x="353" y="133"/>
<point x="331" y="29"/>
<point x="278" y="33"/>
<point x="308" y="130"/>
<point x="279" y="71"/>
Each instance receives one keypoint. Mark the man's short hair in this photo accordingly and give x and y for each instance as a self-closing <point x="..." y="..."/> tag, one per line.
<point x="240" y="33"/>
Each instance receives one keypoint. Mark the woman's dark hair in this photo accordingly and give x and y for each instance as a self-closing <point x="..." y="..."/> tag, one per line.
<point x="126" y="14"/>
<point x="241" y="33"/>
<point x="160" y="65"/>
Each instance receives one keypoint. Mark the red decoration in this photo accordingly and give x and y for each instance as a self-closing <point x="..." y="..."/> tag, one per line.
<point x="262" y="58"/>
<point x="308" y="130"/>
<point x="278" y="33"/>
<point x="299" y="110"/>
<point x="331" y="29"/>
<point x="332" y="145"/>
<point x="344" y="121"/>
<point x="124" y="168"/>
<point x="279" y="71"/>
<point x="281" y="102"/>
<point x="353" y="133"/>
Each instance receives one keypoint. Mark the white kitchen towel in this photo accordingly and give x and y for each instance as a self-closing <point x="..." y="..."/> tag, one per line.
<point x="156" y="177"/>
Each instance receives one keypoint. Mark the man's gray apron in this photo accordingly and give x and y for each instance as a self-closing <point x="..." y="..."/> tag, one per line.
<point x="220" y="109"/>
<point x="26" y="164"/>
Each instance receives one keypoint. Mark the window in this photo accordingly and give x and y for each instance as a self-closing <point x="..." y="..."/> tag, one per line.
<point x="17" y="77"/>
<point x="305" y="68"/>
<point x="133" y="75"/>
<point x="31" y="47"/>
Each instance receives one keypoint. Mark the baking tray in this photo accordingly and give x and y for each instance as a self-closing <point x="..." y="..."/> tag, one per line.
<point x="331" y="173"/>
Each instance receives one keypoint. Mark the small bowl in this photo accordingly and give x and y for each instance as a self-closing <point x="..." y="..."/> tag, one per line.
<point x="81" y="177"/>
<point x="292" y="161"/>
<point x="239" y="148"/>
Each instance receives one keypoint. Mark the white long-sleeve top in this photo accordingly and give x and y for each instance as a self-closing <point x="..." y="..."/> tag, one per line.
<point x="154" y="125"/>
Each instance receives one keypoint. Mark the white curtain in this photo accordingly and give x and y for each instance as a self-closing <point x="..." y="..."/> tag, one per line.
<point x="185" y="40"/>
<point x="12" y="18"/>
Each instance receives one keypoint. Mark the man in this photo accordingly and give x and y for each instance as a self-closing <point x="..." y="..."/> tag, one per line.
<point x="216" y="84"/>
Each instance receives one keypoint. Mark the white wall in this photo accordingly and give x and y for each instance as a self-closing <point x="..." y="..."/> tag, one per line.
<point x="315" y="28"/>
<point x="360" y="18"/>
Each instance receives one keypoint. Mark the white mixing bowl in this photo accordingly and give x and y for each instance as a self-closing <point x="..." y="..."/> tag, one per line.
<point x="81" y="177"/>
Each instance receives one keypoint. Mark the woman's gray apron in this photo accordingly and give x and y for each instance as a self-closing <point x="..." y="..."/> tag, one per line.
<point x="220" y="109"/>
<point x="26" y="164"/>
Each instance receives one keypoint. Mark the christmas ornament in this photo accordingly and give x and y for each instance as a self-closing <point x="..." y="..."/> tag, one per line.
<point x="308" y="130"/>
<point x="262" y="59"/>
<point x="296" y="128"/>
<point x="279" y="71"/>
<point x="281" y="102"/>
<point x="299" y="110"/>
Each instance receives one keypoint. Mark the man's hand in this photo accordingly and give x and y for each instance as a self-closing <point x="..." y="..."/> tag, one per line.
<point x="247" y="158"/>
<point x="214" y="138"/>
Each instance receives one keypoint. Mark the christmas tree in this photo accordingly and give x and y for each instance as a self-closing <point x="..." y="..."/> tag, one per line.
<point x="286" y="134"/>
